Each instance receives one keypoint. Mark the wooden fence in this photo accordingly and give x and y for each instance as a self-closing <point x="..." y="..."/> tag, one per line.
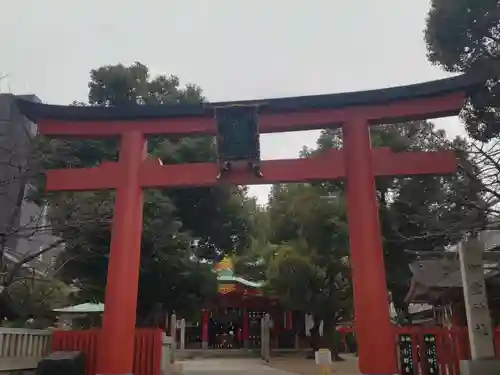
<point x="148" y="348"/>
<point x="22" y="349"/>
<point x="265" y="338"/>
<point x="420" y="350"/>
<point x="430" y="350"/>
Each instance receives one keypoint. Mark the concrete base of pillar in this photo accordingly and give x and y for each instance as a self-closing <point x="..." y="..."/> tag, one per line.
<point x="246" y="344"/>
<point x="480" y="367"/>
<point x="204" y="344"/>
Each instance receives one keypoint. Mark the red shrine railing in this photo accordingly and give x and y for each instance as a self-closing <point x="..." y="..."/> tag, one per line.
<point x="429" y="350"/>
<point x="147" y="348"/>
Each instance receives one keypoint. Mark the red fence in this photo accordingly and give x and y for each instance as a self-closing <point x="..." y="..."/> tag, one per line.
<point x="434" y="350"/>
<point x="147" y="353"/>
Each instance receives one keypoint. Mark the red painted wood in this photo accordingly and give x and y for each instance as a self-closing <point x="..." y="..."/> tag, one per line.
<point x="116" y="354"/>
<point x="204" y="325"/>
<point x="448" y="354"/>
<point x="328" y="166"/>
<point x="239" y="291"/>
<point x="289" y="320"/>
<point x="496" y="341"/>
<point x="254" y="302"/>
<point x="446" y="105"/>
<point x="106" y="176"/>
<point x="245" y="325"/>
<point x="450" y="346"/>
<point x="85" y="341"/>
<point x="367" y="262"/>
<point x="148" y="351"/>
<point x="147" y="348"/>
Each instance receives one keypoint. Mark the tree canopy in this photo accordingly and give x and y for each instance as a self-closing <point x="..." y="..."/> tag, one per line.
<point x="308" y="269"/>
<point x="464" y="36"/>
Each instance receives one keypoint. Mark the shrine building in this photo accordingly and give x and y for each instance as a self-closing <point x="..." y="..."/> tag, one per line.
<point x="232" y="319"/>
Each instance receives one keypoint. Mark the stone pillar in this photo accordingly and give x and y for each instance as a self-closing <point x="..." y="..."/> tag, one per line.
<point x="245" y="328"/>
<point x="263" y="337"/>
<point x="173" y="333"/>
<point x="266" y="338"/>
<point x="478" y="314"/>
<point x="182" y="340"/>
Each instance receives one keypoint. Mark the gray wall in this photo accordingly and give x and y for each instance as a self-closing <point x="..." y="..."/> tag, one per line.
<point x="23" y="222"/>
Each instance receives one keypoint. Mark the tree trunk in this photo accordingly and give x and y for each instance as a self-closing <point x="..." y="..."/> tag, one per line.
<point x="314" y="340"/>
<point x="330" y="339"/>
<point x="327" y="341"/>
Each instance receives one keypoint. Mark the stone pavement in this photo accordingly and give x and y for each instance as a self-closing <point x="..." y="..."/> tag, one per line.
<point x="229" y="366"/>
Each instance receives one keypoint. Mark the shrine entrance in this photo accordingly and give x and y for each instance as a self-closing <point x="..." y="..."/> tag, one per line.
<point x="237" y="126"/>
<point x="232" y="318"/>
<point x="225" y="329"/>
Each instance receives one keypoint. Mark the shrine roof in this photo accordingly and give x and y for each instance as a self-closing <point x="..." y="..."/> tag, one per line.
<point x="239" y="280"/>
<point x="224" y="268"/>
<point x="36" y="111"/>
<point x="82" y="308"/>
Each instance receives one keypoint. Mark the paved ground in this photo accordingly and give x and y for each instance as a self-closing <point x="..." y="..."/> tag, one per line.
<point x="229" y="366"/>
<point x="302" y="366"/>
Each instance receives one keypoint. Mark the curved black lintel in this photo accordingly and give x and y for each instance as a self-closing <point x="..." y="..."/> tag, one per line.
<point x="37" y="111"/>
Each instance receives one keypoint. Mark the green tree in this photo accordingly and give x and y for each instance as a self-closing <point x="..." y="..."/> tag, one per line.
<point x="308" y="270"/>
<point x="182" y="228"/>
<point x="33" y="298"/>
<point x="252" y="263"/>
<point x="464" y="36"/>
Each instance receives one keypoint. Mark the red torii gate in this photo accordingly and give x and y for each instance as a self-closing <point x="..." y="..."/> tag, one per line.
<point x="357" y="162"/>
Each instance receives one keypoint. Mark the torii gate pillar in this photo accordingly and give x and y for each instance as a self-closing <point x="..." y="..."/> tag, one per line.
<point x="365" y="244"/>
<point x="118" y="324"/>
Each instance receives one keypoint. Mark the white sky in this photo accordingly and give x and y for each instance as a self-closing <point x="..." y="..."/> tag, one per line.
<point x="233" y="49"/>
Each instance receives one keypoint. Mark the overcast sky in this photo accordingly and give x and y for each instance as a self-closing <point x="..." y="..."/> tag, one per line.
<point x="233" y="49"/>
